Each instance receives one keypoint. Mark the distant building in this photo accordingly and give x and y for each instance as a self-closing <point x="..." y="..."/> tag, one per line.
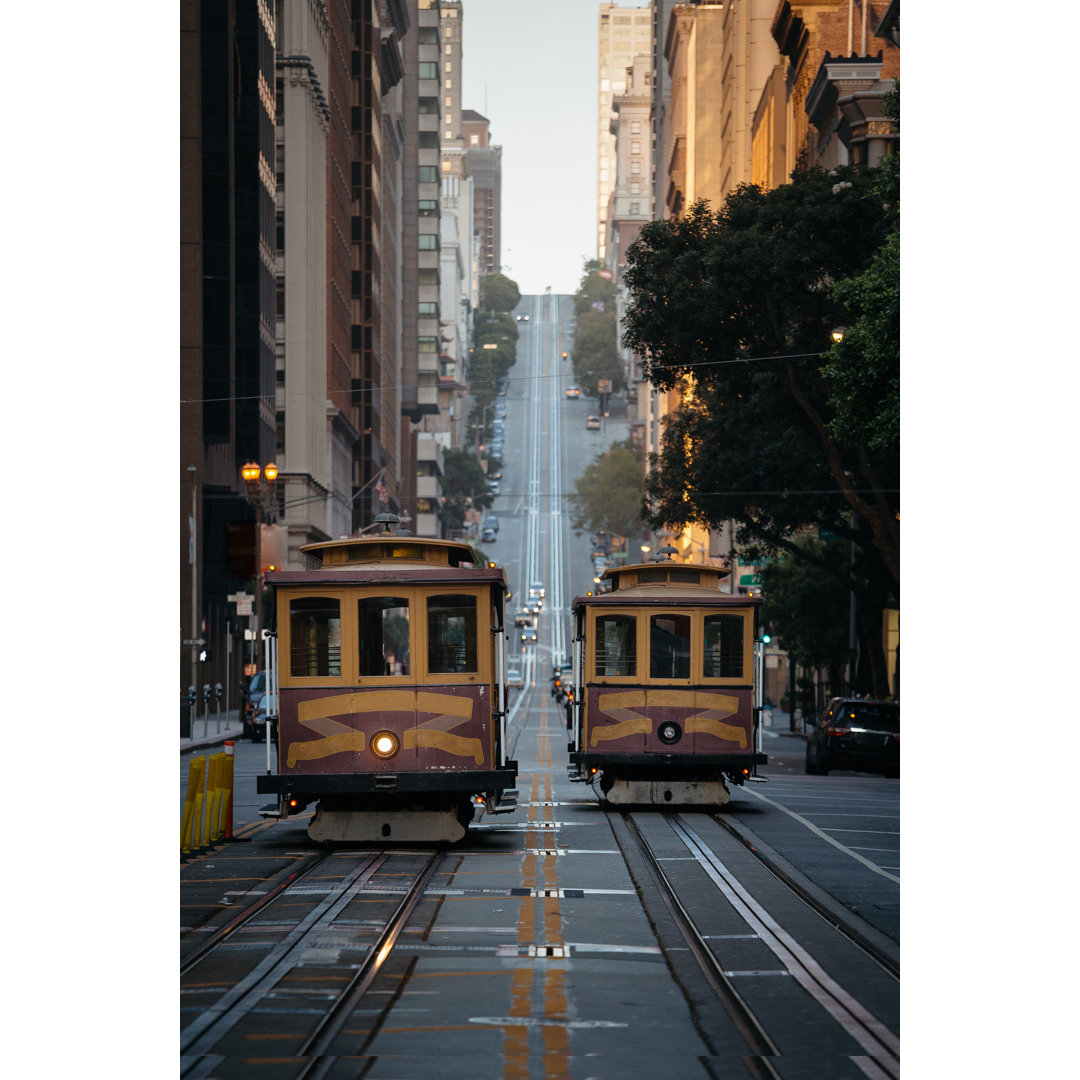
<point x="624" y="33"/>
<point x="483" y="162"/>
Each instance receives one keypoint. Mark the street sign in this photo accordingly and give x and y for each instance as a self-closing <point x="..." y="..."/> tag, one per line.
<point x="243" y="607"/>
<point x="749" y="579"/>
<point x="194" y="641"/>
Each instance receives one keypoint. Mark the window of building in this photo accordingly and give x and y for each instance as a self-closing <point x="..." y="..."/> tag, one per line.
<point x="635" y="147"/>
<point x="635" y="168"/>
<point x="451" y="631"/>
<point x="616" y="645"/>
<point x="448" y="84"/>
<point x="635" y="208"/>
<point x="427" y="69"/>
<point x="315" y="636"/>
<point x="669" y="646"/>
<point x="474" y="140"/>
<point x="384" y="635"/>
<point x="428" y="207"/>
<point x="428" y="35"/>
<point x="723" y="646"/>
<point x="448" y="101"/>
<point x="429" y="140"/>
<point x="428" y="105"/>
<point x="427" y="241"/>
<point x="635" y="127"/>
<point x="427" y="344"/>
<point x="427" y="174"/>
<point x="428" y="307"/>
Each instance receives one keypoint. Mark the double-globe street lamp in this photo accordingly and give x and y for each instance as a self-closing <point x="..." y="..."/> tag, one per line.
<point x="261" y="497"/>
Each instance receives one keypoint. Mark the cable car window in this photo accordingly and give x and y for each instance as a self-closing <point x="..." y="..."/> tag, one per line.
<point x="384" y="635"/>
<point x="616" y="646"/>
<point x="723" y="646"/>
<point x="669" y="646"/>
<point x="452" y="634"/>
<point x="315" y="636"/>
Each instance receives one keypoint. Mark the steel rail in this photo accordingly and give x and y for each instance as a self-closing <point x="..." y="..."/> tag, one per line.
<point x="880" y="1044"/>
<point x="330" y="1025"/>
<point x="804" y="892"/>
<point x="757" y="1039"/>
<point x="292" y="876"/>
<point x="205" y="1032"/>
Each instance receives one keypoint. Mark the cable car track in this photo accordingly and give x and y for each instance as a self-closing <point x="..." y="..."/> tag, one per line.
<point x="199" y="1040"/>
<point x="881" y="1048"/>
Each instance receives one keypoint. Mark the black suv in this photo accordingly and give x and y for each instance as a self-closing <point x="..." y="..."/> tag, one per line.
<point x="856" y="733"/>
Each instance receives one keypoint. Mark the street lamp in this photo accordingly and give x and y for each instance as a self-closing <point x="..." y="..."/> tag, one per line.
<point x="838" y="334"/>
<point x="262" y="499"/>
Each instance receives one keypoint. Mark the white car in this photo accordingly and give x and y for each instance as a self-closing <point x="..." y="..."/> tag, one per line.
<point x="514" y="677"/>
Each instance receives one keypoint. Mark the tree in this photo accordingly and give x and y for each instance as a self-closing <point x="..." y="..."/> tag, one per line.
<point x="735" y="308"/>
<point x="464" y="484"/>
<point x="498" y="293"/>
<point x="596" y="288"/>
<point x="807" y="609"/>
<point x="608" y="495"/>
<point x="596" y="353"/>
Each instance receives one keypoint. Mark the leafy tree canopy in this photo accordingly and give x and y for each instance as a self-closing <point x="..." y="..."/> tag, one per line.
<point x="464" y="484"/>
<point x="737" y="308"/>
<point x="498" y="293"/>
<point x="608" y="496"/>
<point x="805" y="608"/>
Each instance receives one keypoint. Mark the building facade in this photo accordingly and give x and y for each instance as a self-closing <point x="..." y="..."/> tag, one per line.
<point x="483" y="163"/>
<point x="623" y="33"/>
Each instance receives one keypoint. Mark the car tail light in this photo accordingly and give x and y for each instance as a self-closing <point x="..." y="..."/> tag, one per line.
<point x="838" y="731"/>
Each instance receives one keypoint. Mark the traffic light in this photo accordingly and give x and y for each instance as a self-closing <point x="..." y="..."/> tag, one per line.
<point x="766" y="637"/>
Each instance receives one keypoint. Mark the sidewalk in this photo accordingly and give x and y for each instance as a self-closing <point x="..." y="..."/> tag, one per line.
<point x="212" y="731"/>
<point x="781" y="725"/>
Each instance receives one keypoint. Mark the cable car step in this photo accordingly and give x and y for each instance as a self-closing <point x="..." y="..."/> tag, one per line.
<point x="508" y="802"/>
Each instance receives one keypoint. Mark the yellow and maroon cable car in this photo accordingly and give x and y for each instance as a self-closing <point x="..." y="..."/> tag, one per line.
<point x="390" y="690"/>
<point x="666" y="686"/>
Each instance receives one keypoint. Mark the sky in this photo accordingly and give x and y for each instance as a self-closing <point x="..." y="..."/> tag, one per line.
<point x="530" y="67"/>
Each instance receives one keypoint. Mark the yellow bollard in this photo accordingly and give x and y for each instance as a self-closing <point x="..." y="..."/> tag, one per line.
<point x="192" y="803"/>
<point x="227" y="802"/>
<point x="211" y="786"/>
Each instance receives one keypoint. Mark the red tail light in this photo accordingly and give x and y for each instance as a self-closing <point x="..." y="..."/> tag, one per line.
<point x="838" y="731"/>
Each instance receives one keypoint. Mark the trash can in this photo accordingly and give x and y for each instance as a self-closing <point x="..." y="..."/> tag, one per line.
<point x="185" y="717"/>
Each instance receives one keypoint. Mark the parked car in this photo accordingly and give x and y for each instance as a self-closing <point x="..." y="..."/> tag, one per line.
<point x="514" y="676"/>
<point x="592" y="423"/>
<point x="488" y="536"/>
<point x="253" y="690"/>
<point x="856" y="733"/>
<point x="258" y="720"/>
<point x="528" y="637"/>
<point x="573" y="392"/>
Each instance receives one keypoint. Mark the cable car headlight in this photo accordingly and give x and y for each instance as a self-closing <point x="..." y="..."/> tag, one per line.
<point x="669" y="732"/>
<point x="384" y="744"/>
